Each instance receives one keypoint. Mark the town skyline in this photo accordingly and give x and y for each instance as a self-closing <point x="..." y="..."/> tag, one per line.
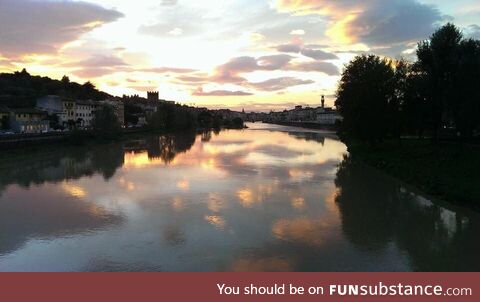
<point x="252" y="55"/>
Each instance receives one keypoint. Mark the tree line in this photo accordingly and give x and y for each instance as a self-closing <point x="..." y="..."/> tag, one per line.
<point x="173" y="117"/>
<point x="436" y="96"/>
<point x="21" y="90"/>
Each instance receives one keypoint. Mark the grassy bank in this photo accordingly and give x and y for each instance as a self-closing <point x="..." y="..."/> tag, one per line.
<point x="448" y="171"/>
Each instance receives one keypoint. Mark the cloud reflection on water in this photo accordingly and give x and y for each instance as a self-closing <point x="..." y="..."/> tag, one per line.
<point x="252" y="200"/>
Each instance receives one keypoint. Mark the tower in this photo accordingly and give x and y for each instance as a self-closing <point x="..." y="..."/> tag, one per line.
<point x="153" y="96"/>
<point x="323" y="101"/>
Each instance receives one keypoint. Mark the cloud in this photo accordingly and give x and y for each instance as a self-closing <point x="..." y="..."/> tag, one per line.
<point x="189" y="79"/>
<point x="29" y="26"/>
<point x="473" y="31"/>
<point x="144" y="88"/>
<point x="401" y="21"/>
<point x="95" y="72"/>
<point x="102" y="65"/>
<point x="175" y="20"/>
<point x="315" y="66"/>
<point x="273" y="62"/>
<point x="176" y="32"/>
<point x="98" y="65"/>
<point x="168" y="29"/>
<point x="200" y="92"/>
<point x="99" y="61"/>
<point x="168" y="70"/>
<point x="169" y="2"/>
<point x="311" y="51"/>
<point x="375" y="22"/>
<point x="291" y="48"/>
<point x="297" y="32"/>
<point x="279" y="84"/>
<point x="230" y="71"/>
<point x="318" y="54"/>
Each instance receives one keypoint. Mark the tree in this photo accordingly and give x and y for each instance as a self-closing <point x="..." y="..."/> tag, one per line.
<point x="105" y="123"/>
<point x="438" y="59"/>
<point x="466" y="109"/>
<point x="158" y="120"/>
<point x="89" y="85"/>
<point x="414" y="104"/>
<point x="366" y="98"/>
<point x="205" y="119"/>
<point x="54" y="121"/>
<point x="238" y="123"/>
<point x="65" y="80"/>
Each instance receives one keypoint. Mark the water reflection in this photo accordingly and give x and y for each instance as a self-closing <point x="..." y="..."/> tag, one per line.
<point x="436" y="237"/>
<point x="264" y="199"/>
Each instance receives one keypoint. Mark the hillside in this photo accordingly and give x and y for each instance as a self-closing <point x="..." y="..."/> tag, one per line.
<point x="20" y="89"/>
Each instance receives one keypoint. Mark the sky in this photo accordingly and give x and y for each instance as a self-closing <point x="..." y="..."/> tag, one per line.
<point x="259" y="55"/>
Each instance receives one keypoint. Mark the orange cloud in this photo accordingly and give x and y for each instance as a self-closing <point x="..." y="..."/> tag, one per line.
<point x="341" y="14"/>
<point x="322" y="7"/>
<point x="373" y="22"/>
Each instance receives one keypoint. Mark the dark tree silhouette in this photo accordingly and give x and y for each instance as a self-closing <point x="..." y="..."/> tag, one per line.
<point x="366" y="98"/>
<point x="438" y="59"/>
<point x="436" y="95"/>
<point x="105" y="123"/>
<point x="466" y="109"/>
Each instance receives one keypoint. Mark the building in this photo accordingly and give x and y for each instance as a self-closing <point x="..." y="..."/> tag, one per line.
<point x="153" y="96"/>
<point x="85" y="112"/>
<point x="29" y="120"/>
<point x="62" y="107"/>
<point x="300" y="114"/>
<point x="321" y="115"/>
<point x="328" y="117"/>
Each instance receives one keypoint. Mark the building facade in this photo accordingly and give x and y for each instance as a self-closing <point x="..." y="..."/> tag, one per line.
<point x="29" y="121"/>
<point x="62" y="107"/>
<point x="85" y="112"/>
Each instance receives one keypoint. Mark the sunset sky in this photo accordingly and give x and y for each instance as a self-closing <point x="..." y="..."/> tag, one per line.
<point x="252" y="54"/>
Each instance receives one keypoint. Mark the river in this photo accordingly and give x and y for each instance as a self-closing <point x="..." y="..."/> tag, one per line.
<point x="268" y="198"/>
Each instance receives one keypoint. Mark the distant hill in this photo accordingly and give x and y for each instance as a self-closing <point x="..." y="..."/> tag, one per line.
<point x="20" y="89"/>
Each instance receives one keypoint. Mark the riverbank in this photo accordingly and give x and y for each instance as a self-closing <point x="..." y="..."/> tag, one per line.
<point x="447" y="171"/>
<point x="25" y="140"/>
<point x="16" y="141"/>
<point x="306" y="125"/>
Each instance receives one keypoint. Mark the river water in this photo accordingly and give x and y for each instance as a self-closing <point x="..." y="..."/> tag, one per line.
<point x="268" y="198"/>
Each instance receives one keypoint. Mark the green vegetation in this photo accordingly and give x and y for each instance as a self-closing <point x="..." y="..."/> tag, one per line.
<point x="235" y="123"/>
<point x="105" y="123"/>
<point x="209" y="120"/>
<point x="172" y="117"/>
<point x="176" y="117"/>
<point x="21" y="90"/>
<point x="386" y="104"/>
<point x="448" y="171"/>
<point x="437" y="95"/>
